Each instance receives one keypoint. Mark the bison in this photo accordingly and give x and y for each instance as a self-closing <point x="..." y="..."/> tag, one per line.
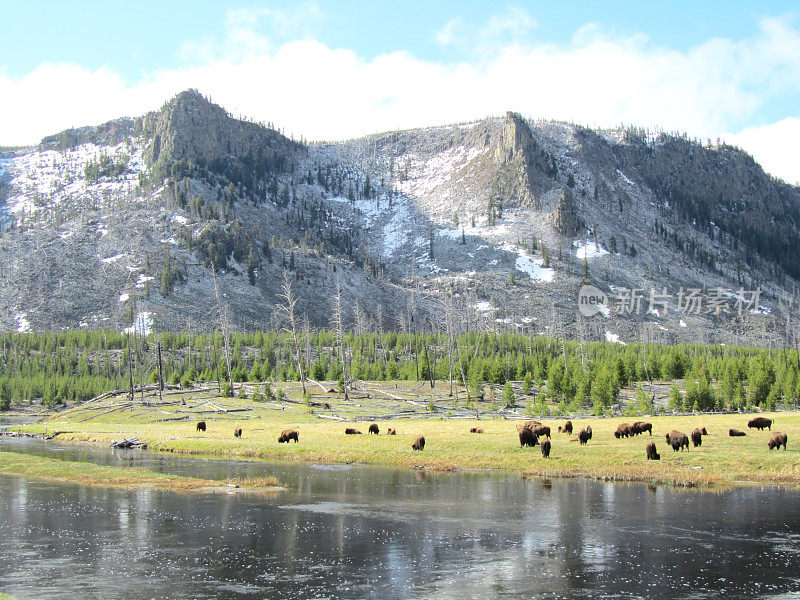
<point x="391" y="431"/>
<point x="677" y="440"/>
<point x="641" y="427"/>
<point x="585" y="434"/>
<point x="476" y="430"/>
<point x="237" y="432"/>
<point x="531" y="424"/>
<point x="289" y="434"/>
<point x="352" y="431"/>
<point x="759" y="423"/>
<point x="623" y="430"/>
<point x="373" y="428"/>
<point x="777" y="440"/>
<point x="541" y="430"/>
<point x="546" y="449"/>
<point x="565" y="428"/>
<point x="527" y="437"/>
<point x="201" y="426"/>
<point x="703" y="431"/>
<point x="697" y="438"/>
<point x="650" y="452"/>
<point x="419" y="443"/>
<point x="736" y="433"/>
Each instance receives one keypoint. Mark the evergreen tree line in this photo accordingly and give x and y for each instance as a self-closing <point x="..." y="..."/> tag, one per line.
<point x="74" y="366"/>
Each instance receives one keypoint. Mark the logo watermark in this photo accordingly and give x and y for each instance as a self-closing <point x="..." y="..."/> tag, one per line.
<point x="686" y="301"/>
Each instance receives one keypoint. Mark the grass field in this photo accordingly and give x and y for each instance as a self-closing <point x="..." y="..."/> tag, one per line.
<point x="721" y="460"/>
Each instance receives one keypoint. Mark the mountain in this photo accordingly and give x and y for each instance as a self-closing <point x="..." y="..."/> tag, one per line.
<point x="497" y="223"/>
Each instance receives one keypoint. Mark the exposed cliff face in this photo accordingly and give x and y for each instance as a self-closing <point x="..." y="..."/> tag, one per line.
<point x="193" y="129"/>
<point x="498" y="213"/>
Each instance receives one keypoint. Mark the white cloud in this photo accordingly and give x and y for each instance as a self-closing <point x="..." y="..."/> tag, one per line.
<point x="447" y="34"/>
<point x="309" y="89"/>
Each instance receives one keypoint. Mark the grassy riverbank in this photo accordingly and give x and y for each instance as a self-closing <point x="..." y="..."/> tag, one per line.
<point x="721" y="460"/>
<point x="83" y="473"/>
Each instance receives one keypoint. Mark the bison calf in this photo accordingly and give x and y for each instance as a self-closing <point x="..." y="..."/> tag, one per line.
<point x="565" y="428"/>
<point x="697" y="438"/>
<point x="650" y="452"/>
<point x="736" y="433"/>
<point x="391" y="431"/>
<point x="546" y="449"/>
<point x="777" y="440"/>
<point x="419" y="443"/>
<point x="351" y="431"/>
<point x="237" y="432"/>
<point x="476" y="430"/>
<point x="201" y="426"/>
<point x="760" y="423"/>
<point x="289" y="434"/>
<point x="373" y="428"/>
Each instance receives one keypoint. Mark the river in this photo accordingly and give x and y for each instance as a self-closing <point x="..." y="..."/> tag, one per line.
<point x="367" y="532"/>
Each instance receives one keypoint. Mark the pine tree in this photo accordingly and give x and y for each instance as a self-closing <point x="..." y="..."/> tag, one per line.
<point x="167" y="277"/>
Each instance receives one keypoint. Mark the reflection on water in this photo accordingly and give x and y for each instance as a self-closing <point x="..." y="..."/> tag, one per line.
<point x="386" y="533"/>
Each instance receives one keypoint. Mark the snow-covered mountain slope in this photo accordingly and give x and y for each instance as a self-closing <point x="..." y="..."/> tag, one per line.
<point x="125" y="222"/>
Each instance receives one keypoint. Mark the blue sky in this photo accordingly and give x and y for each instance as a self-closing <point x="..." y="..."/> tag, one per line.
<point x="326" y="69"/>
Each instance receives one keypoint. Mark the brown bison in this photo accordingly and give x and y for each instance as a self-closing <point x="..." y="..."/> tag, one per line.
<point x="476" y="430"/>
<point x="759" y="423"/>
<point x="650" y="452"/>
<point x="531" y="424"/>
<point x="352" y="431"/>
<point x="623" y="430"/>
<point x="546" y="449"/>
<point x="585" y="434"/>
<point x="391" y="431"/>
<point x="565" y="428"/>
<point x="777" y="440"/>
<point x="289" y="434"/>
<point x="527" y="437"/>
<point x="736" y="433"/>
<point x="373" y="428"/>
<point x="703" y="431"/>
<point x="237" y="432"/>
<point x="201" y="426"/>
<point x="697" y="438"/>
<point x="641" y="427"/>
<point x="677" y="440"/>
<point x="419" y="443"/>
<point x="541" y="430"/>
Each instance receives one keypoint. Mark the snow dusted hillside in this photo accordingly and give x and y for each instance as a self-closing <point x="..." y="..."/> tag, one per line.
<point x="121" y="225"/>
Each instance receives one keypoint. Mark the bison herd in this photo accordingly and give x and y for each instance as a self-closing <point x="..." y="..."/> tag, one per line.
<point x="530" y="433"/>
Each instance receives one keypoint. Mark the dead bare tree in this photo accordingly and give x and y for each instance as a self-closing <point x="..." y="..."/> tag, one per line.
<point x="338" y="325"/>
<point x="287" y="308"/>
<point x="223" y="324"/>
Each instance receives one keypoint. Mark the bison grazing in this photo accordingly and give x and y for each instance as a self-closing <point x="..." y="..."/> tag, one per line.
<point x="623" y="430"/>
<point x="391" y="431"/>
<point x="373" y="428"/>
<point x="777" y="440"/>
<point x="546" y="449"/>
<point x="703" y="431"/>
<point x="527" y="437"/>
<point x="759" y="423"/>
<point x="541" y="430"/>
<point x="476" y="430"/>
<point x="289" y="434"/>
<point x="351" y="431"/>
<point x="677" y="440"/>
<point x="697" y="438"/>
<point x="419" y="443"/>
<point x="641" y="427"/>
<point x="650" y="452"/>
<point x="237" y="432"/>
<point x="201" y="426"/>
<point x="531" y="424"/>
<point x="565" y="428"/>
<point x="736" y="433"/>
<point x="584" y="435"/>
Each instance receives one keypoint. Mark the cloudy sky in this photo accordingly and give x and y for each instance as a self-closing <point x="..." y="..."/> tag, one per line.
<point x="329" y="70"/>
